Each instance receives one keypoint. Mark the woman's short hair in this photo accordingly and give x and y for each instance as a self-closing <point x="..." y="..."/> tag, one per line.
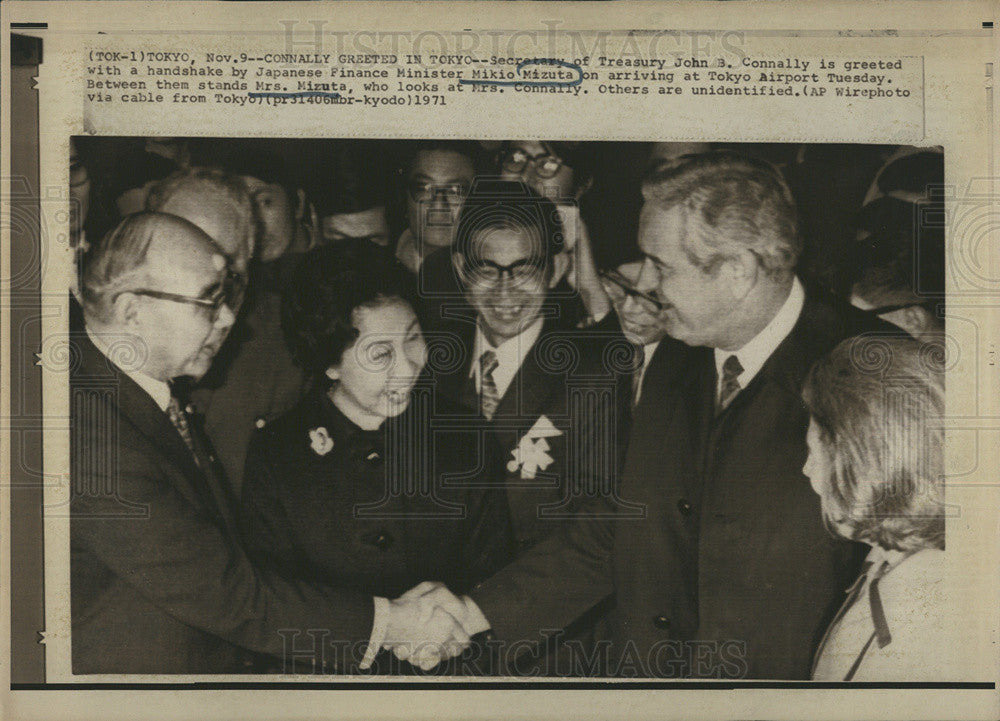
<point x="329" y="284"/>
<point x="877" y="402"/>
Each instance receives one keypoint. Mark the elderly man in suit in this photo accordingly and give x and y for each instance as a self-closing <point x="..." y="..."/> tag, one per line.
<point x="730" y="573"/>
<point x="159" y="579"/>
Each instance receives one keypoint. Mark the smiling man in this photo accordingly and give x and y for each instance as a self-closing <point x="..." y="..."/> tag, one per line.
<point x="536" y="383"/>
<point x="730" y="573"/>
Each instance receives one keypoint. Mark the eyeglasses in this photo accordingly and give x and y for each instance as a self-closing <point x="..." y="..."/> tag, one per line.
<point x="422" y="191"/>
<point x="229" y="293"/>
<point x="486" y="271"/>
<point x="620" y="281"/>
<point x="546" y="164"/>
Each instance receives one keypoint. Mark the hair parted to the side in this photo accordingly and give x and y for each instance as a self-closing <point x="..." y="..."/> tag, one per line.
<point x="118" y="261"/>
<point x="731" y="203"/>
<point x="881" y="431"/>
<point x="330" y="283"/>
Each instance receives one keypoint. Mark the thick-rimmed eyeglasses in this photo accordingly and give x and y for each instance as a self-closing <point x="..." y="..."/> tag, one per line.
<point x="420" y="191"/>
<point x="229" y="293"/>
<point x="486" y="271"/>
<point x="546" y="164"/>
<point x="626" y="286"/>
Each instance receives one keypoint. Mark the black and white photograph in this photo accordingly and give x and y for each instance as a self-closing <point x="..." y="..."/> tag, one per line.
<point x="530" y="360"/>
<point x="523" y="408"/>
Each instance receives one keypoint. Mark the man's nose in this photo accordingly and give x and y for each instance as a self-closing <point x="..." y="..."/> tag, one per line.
<point x="630" y="306"/>
<point x="226" y="317"/>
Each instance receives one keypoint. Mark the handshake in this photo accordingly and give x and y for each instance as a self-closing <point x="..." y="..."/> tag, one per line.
<point x="429" y="624"/>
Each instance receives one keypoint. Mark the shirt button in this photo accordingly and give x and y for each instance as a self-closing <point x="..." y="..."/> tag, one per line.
<point x="684" y="506"/>
<point x="189" y="409"/>
<point x="373" y="456"/>
<point x="260" y="423"/>
<point x="661" y="622"/>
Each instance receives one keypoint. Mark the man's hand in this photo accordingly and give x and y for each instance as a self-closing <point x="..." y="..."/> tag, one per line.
<point x="426" y="625"/>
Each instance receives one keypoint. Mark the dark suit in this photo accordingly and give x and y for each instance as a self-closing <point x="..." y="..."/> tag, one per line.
<point x="159" y="580"/>
<point x="731" y="572"/>
<point x="374" y="510"/>
<point x="578" y="379"/>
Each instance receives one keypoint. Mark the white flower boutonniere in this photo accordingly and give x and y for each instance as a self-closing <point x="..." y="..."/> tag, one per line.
<point x="532" y="452"/>
<point x="320" y="441"/>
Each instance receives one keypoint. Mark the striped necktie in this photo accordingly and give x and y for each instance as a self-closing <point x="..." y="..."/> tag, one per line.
<point x="489" y="396"/>
<point x="639" y="363"/>
<point x="731" y="370"/>
<point x="180" y="421"/>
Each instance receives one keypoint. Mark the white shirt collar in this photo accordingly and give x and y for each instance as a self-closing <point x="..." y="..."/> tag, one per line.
<point x="510" y="355"/>
<point x="157" y="389"/>
<point x="406" y="251"/>
<point x="647" y="355"/>
<point x="754" y="354"/>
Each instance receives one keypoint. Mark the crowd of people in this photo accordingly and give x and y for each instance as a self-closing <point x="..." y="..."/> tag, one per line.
<point x="523" y="407"/>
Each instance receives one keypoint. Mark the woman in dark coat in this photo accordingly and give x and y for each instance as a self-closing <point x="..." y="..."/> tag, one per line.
<point x="364" y="483"/>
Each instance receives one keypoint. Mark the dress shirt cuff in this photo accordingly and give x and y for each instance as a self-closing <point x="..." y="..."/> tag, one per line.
<point x="379" y="628"/>
<point x="474" y="621"/>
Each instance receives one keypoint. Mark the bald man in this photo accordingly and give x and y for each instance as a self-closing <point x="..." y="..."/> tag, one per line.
<point x="159" y="580"/>
<point x="254" y="379"/>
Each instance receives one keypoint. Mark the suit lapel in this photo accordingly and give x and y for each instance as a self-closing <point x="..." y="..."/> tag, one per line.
<point x="140" y="410"/>
<point x="529" y="389"/>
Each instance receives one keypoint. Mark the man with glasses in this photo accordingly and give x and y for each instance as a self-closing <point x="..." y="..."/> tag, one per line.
<point x="729" y="573"/>
<point x="637" y="314"/>
<point x="563" y="173"/>
<point x="159" y="580"/>
<point x="437" y="177"/>
<point x="554" y="397"/>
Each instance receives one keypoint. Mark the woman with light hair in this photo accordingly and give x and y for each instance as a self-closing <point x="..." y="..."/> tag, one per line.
<point x="875" y="443"/>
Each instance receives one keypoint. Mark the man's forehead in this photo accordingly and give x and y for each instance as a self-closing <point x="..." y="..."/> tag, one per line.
<point x="493" y="243"/>
<point x="363" y="221"/>
<point x="449" y="163"/>
<point x="660" y="229"/>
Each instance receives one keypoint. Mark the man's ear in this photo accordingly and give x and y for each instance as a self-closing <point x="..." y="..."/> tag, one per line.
<point x="740" y="273"/>
<point x="300" y="208"/>
<point x="333" y="373"/>
<point x="560" y="264"/>
<point x="126" y="310"/>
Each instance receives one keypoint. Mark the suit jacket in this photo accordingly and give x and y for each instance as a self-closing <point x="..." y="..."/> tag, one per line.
<point x="578" y="380"/>
<point x="376" y="511"/>
<point x="730" y="573"/>
<point x="160" y="582"/>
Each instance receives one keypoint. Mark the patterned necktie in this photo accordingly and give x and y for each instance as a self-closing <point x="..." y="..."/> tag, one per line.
<point x="731" y="370"/>
<point x="639" y="363"/>
<point x="489" y="397"/>
<point x="180" y="421"/>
